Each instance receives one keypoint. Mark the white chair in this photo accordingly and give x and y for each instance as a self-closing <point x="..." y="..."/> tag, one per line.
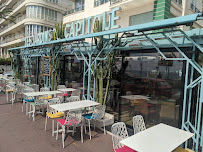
<point x="72" y="120"/>
<point x="12" y="90"/>
<point x="51" y="113"/>
<point x="98" y="114"/>
<point x="35" y="87"/>
<point x="73" y="98"/>
<point x="27" y="99"/>
<point x="138" y="124"/>
<point x="40" y="102"/>
<point x="75" y="94"/>
<point x="61" y="87"/>
<point x="119" y="132"/>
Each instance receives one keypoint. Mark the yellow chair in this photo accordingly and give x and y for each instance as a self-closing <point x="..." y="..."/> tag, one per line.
<point x="179" y="149"/>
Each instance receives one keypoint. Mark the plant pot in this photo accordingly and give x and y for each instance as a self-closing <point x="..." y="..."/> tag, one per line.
<point x="108" y="118"/>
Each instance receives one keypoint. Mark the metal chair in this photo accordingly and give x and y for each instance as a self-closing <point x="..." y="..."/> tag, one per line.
<point x="98" y="114"/>
<point x="35" y="87"/>
<point x="72" y="120"/>
<point x="73" y="98"/>
<point x="138" y="124"/>
<point x="51" y="113"/>
<point x="119" y="132"/>
<point x="61" y="87"/>
<point x="27" y="99"/>
<point x="12" y="90"/>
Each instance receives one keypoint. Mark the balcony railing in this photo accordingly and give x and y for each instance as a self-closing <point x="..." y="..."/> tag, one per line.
<point x="115" y="1"/>
<point x="17" y="4"/>
<point x="75" y="10"/>
<point x="178" y="1"/>
<point x="194" y="8"/>
<point x="100" y="2"/>
<point x="4" y="4"/>
<point x="11" y="24"/>
<point x="52" y="1"/>
<point x="13" y="38"/>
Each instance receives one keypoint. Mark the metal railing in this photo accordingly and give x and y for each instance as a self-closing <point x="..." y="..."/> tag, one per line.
<point x="194" y="8"/>
<point x="178" y="1"/>
<point x="13" y="38"/>
<point x="100" y="2"/>
<point x="17" y="4"/>
<point x="11" y="24"/>
<point x="75" y="10"/>
<point x="115" y="1"/>
<point x="51" y="1"/>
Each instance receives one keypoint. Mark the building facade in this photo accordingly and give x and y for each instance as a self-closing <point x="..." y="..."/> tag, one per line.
<point x="138" y="72"/>
<point x="28" y="17"/>
<point x="134" y="11"/>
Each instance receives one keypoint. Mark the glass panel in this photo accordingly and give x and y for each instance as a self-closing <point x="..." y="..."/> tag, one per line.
<point x="141" y="18"/>
<point x="42" y="14"/>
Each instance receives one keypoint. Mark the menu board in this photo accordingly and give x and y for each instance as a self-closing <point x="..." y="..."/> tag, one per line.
<point x="46" y="65"/>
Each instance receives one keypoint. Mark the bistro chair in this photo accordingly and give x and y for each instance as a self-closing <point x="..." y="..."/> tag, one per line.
<point x="61" y="87"/>
<point x="75" y="95"/>
<point x="119" y="132"/>
<point x="27" y="99"/>
<point x="51" y="113"/>
<point x="98" y="114"/>
<point x="35" y="87"/>
<point x="12" y="90"/>
<point x="72" y="120"/>
<point x="40" y="102"/>
<point x="138" y="124"/>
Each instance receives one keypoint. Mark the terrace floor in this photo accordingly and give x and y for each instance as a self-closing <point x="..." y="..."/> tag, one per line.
<point x="20" y="134"/>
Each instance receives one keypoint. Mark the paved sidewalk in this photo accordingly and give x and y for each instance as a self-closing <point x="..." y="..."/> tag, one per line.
<point x="18" y="133"/>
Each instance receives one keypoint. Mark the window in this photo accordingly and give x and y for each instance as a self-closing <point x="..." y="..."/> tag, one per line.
<point x="79" y="5"/>
<point x="141" y="18"/>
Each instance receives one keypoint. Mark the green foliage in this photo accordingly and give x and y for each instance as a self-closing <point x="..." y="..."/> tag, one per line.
<point x="6" y="61"/>
<point x="55" y="72"/>
<point x="103" y="71"/>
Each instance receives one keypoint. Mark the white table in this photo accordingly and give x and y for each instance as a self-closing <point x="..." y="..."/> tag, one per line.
<point x="66" y="90"/>
<point x="134" y="97"/>
<point x="33" y="94"/>
<point x="160" y="138"/>
<point x="63" y="107"/>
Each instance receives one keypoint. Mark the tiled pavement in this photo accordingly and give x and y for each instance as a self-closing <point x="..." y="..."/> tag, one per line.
<point x="18" y="133"/>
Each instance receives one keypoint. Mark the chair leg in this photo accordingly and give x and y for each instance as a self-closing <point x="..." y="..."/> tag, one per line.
<point x="94" y="124"/>
<point x="45" y="128"/>
<point x="57" y="131"/>
<point x="63" y="135"/>
<point x="23" y="105"/>
<point x="81" y="131"/>
<point x="104" y="128"/>
<point x="73" y="130"/>
<point x="33" y="115"/>
<point x="30" y="109"/>
<point x="89" y="130"/>
<point x="52" y="127"/>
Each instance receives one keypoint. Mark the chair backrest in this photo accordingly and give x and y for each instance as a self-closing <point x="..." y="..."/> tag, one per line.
<point x="61" y="87"/>
<point x="52" y="102"/>
<point x="27" y="90"/>
<point x="44" y="89"/>
<point x="119" y="132"/>
<point x="73" y="99"/>
<point x="35" y="87"/>
<point x="73" y="119"/>
<point x="76" y="93"/>
<point x="98" y="112"/>
<point x="138" y="124"/>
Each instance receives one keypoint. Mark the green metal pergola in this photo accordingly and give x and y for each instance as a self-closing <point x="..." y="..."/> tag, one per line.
<point x="161" y="36"/>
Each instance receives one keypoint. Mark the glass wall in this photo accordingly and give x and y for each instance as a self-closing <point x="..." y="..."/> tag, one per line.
<point x="41" y="13"/>
<point x="145" y="84"/>
<point x="33" y="29"/>
<point x="79" y="5"/>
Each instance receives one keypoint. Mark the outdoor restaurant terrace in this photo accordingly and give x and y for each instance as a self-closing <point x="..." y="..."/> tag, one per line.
<point x="80" y="106"/>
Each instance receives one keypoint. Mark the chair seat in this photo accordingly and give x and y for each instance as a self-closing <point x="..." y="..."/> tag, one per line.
<point x="29" y="100"/>
<point x="124" y="149"/>
<point x="179" y="149"/>
<point x="87" y="116"/>
<point x="63" y="95"/>
<point x="49" y="97"/>
<point x="55" y="115"/>
<point x="62" y="122"/>
<point x="9" y="90"/>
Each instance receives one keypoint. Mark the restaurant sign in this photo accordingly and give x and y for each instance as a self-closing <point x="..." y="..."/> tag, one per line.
<point x="78" y="28"/>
